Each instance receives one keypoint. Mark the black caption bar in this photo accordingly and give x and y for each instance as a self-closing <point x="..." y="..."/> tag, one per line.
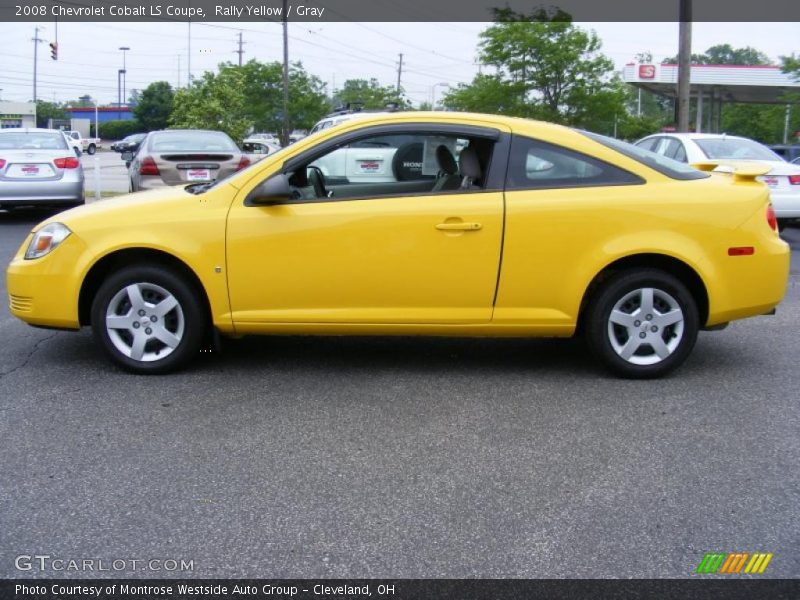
<point x="399" y="589"/>
<point x="389" y="10"/>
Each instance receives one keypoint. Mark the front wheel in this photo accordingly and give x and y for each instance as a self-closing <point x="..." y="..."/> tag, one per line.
<point x="642" y="324"/>
<point x="148" y="319"/>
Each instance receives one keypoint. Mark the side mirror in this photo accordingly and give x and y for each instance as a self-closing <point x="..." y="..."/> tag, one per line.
<point x="77" y="151"/>
<point x="274" y="190"/>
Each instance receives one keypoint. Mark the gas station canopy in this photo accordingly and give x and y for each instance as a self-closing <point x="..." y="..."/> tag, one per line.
<point x="725" y="83"/>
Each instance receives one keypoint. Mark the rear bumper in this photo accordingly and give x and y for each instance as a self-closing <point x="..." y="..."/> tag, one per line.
<point x="41" y="192"/>
<point x="786" y="204"/>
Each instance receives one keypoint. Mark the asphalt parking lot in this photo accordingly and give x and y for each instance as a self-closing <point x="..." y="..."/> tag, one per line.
<point x="359" y="457"/>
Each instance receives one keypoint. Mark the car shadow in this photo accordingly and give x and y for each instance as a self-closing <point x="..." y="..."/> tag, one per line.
<point x="27" y="215"/>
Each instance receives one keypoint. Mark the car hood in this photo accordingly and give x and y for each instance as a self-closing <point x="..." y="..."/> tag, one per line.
<point x="131" y="209"/>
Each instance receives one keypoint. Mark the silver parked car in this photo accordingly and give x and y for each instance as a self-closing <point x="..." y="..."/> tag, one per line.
<point x="181" y="156"/>
<point x="38" y="168"/>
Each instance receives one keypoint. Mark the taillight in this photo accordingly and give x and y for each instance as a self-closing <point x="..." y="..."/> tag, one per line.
<point x="148" y="166"/>
<point x="771" y="220"/>
<point x="2" y="162"/>
<point x="794" y="179"/>
<point x="70" y="162"/>
<point x="244" y="162"/>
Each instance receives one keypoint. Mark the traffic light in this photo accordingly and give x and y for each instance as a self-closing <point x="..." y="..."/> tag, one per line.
<point x="54" y="50"/>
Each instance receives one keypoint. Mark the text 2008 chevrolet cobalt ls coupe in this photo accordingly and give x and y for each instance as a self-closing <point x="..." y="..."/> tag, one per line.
<point x="500" y="227"/>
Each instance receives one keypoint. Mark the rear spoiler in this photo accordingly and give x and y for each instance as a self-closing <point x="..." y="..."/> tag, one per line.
<point x="741" y="170"/>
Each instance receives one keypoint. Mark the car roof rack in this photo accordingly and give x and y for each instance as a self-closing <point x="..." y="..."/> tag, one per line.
<point x="358" y="107"/>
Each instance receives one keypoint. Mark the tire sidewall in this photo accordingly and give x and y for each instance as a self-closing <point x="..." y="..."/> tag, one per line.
<point x="617" y="287"/>
<point x="194" y="319"/>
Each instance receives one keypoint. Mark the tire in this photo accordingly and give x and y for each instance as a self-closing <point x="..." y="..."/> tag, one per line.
<point x="156" y="337"/>
<point x="407" y="162"/>
<point x="640" y="344"/>
<point x="91" y="149"/>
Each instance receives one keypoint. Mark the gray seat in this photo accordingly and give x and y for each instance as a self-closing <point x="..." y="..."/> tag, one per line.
<point x="448" y="178"/>
<point x="470" y="168"/>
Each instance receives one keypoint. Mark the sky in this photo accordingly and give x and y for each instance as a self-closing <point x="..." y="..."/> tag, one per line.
<point x="435" y="55"/>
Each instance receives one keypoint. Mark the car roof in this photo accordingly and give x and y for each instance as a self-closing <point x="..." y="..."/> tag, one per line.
<point x="698" y="136"/>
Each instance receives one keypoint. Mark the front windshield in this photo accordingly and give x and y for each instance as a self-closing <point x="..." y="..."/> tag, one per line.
<point x="735" y="148"/>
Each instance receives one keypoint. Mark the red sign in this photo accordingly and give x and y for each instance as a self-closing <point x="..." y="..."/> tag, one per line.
<point x="647" y="71"/>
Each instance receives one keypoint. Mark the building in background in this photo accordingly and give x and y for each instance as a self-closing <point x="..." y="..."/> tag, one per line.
<point x="104" y="113"/>
<point x="17" y="114"/>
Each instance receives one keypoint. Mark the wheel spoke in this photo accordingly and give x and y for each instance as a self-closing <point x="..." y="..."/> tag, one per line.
<point x="668" y="318"/>
<point x="659" y="347"/>
<point x="137" y="349"/>
<point x="631" y="346"/>
<point x="135" y="296"/>
<point x="646" y="305"/>
<point x="166" y="305"/>
<point x="119" y="321"/>
<point x="167" y="337"/>
<point x="622" y="318"/>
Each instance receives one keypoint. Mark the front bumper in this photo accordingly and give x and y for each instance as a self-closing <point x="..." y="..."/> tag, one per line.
<point x="44" y="291"/>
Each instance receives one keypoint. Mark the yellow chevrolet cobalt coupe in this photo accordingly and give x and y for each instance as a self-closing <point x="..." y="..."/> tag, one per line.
<point x="418" y="224"/>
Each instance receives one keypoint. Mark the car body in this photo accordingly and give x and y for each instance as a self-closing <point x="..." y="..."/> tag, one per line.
<point x="783" y="178"/>
<point x="181" y="156"/>
<point x="129" y="143"/>
<point x="544" y="231"/>
<point x="256" y="148"/>
<point x="38" y="168"/>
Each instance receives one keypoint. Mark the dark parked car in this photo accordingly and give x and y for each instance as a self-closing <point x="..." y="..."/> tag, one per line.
<point x="128" y="144"/>
<point x="788" y="152"/>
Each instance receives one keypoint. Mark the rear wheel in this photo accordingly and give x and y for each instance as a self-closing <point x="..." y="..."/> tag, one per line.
<point x="91" y="149"/>
<point x="642" y="324"/>
<point x="148" y="319"/>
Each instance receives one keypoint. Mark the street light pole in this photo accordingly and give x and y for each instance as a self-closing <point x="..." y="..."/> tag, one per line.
<point x="124" y="77"/>
<point x="433" y="93"/>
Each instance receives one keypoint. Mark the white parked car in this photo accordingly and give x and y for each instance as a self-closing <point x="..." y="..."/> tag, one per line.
<point x="257" y="148"/>
<point x="783" y="180"/>
<point x="88" y="145"/>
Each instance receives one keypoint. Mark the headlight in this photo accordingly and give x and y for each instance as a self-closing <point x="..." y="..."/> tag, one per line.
<point x="46" y="240"/>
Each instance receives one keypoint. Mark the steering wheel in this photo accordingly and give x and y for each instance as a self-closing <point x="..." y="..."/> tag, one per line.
<point x="317" y="179"/>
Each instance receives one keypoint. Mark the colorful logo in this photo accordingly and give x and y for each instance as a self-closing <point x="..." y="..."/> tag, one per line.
<point x="734" y="562"/>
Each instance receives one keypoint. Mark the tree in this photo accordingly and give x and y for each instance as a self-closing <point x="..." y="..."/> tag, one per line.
<point x="155" y="106"/>
<point x="725" y="54"/>
<point x="367" y="94"/>
<point x="48" y="110"/>
<point x="215" y="101"/>
<point x="545" y="68"/>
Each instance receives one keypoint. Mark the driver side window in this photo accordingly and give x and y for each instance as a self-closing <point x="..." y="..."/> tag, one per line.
<point x="395" y="164"/>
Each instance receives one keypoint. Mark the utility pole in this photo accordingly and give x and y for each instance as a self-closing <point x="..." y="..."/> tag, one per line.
<point x="285" y="128"/>
<point x="399" y="74"/>
<point x="189" y="60"/>
<point x="240" y="51"/>
<point x="36" y="42"/>
<point x="684" y="64"/>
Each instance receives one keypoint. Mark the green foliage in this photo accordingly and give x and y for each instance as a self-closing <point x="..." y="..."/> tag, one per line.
<point x="155" y="106"/>
<point x="550" y="70"/>
<point x="263" y="90"/>
<point x="238" y="100"/>
<point x="48" y="110"/>
<point x="366" y="93"/>
<point x="791" y="65"/>
<point x="760" y="122"/>
<point x="216" y="101"/>
<point x="725" y="54"/>
<point x="116" y="130"/>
